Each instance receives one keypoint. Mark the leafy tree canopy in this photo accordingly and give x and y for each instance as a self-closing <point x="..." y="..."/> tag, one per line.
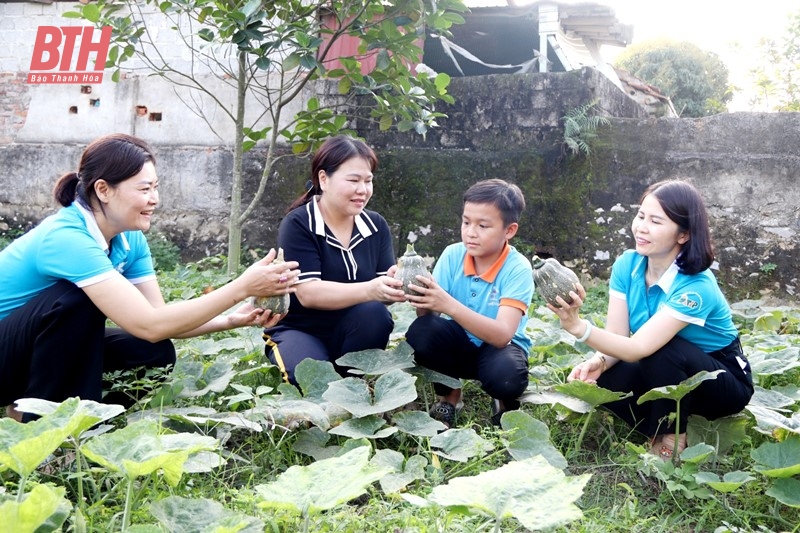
<point x="695" y="80"/>
<point x="777" y="77"/>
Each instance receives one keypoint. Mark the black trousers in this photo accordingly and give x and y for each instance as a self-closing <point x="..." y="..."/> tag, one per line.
<point x="442" y="345"/>
<point x="56" y="346"/>
<point x="364" y="326"/>
<point x="676" y="361"/>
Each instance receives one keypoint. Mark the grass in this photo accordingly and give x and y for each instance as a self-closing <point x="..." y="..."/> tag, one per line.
<point x="625" y="490"/>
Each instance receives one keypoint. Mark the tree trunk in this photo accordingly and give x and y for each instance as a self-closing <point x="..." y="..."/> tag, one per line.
<point x="234" y="223"/>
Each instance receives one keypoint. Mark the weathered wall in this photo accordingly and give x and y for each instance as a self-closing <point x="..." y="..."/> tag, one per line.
<point x="579" y="209"/>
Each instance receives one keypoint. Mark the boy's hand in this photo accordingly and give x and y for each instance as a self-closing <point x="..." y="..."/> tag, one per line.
<point x="431" y="295"/>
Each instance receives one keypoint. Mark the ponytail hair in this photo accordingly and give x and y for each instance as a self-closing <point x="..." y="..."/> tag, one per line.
<point x="113" y="158"/>
<point x="329" y="157"/>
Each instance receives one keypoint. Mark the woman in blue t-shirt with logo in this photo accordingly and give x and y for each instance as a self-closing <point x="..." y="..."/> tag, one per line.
<point x="90" y="262"/>
<point x="667" y="321"/>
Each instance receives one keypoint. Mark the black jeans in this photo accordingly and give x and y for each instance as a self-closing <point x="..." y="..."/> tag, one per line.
<point x="676" y="361"/>
<point x="442" y="345"/>
<point x="56" y="346"/>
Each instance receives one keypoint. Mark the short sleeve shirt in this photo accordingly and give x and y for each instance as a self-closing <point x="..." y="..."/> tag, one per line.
<point x="508" y="282"/>
<point x="68" y="245"/>
<point x="695" y="299"/>
<point x="306" y="239"/>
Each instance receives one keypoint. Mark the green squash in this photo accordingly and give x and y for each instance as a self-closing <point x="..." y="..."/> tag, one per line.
<point x="279" y="305"/>
<point x="553" y="279"/>
<point x="409" y="266"/>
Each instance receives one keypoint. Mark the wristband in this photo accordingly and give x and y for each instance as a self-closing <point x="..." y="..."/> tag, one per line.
<point x="586" y="333"/>
<point x="603" y="361"/>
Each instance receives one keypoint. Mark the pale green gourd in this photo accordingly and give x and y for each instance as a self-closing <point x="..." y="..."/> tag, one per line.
<point x="279" y="305"/>
<point x="409" y="266"/>
<point x="552" y="279"/>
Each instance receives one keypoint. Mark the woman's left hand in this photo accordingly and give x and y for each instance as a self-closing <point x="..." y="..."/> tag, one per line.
<point x="568" y="313"/>
<point x="247" y="315"/>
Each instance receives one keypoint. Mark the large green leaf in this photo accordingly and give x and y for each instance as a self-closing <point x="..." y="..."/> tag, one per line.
<point x="774" y="362"/>
<point x="768" y="420"/>
<point x="392" y="390"/>
<point x="676" y="392"/>
<point x="417" y="423"/>
<point x="375" y="362"/>
<point x="314" y="376"/>
<point x="402" y="471"/>
<point x="460" y="444"/>
<point x="534" y="492"/>
<point x="289" y="413"/>
<point x="197" y="379"/>
<point x="312" y="442"/>
<point x="786" y="491"/>
<point x="551" y="397"/>
<point x="530" y="437"/>
<point x="184" y="515"/>
<point x="729" y="482"/>
<point x="322" y="485"/>
<point x="590" y="393"/>
<point x="368" y="427"/>
<point x="44" y="508"/>
<point x="722" y="433"/>
<point x="139" y="450"/>
<point x="778" y="459"/>
<point x="88" y="414"/>
<point x="23" y="447"/>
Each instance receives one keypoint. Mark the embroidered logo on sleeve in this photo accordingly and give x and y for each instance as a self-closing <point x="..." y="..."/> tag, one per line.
<point x="689" y="300"/>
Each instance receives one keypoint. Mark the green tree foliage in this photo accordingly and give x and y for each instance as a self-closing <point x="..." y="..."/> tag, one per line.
<point x="255" y="61"/>
<point x="777" y="77"/>
<point x="695" y="80"/>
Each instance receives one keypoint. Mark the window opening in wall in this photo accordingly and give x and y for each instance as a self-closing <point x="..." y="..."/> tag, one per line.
<point x="86" y="89"/>
<point x="73" y="110"/>
<point x="141" y="110"/>
<point x="155" y="117"/>
<point x="94" y="102"/>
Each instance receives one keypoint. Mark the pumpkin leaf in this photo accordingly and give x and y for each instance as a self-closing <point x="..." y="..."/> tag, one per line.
<point x="786" y="491"/>
<point x="460" y="444"/>
<point x="314" y="376"/>
<point x="590" y="393"/>
<point x="550" y="397"/>
<point x="678" y="391"/>
<point x="530" y="437"/>
<point x="417" y="423"/>
<point x="401" y="471"/>
<point x="534" y="492"/>
<point x="768" y="421"/>
<point x="312" y="442"/>
<point x="778" y="459"/>
<point x="322" y="485"/>
<point x="392" y="390"/>
<point x="729" y="482"/>
<point x="289" y="413"/>
<point x="44" y="508"/>
<point x="138" y="450"/>
<point x="366" y="427"/>
<point x="723" y="433"/>
<point x="196" y="379"/>
<point x="23" y="447"/>
<point x="88" y="414"/>
<point x="376" y="362"/>
<point x="431" y="376"/>
<point x="185" y="515"/>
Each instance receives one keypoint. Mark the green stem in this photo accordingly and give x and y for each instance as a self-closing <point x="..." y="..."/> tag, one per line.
<point x="128" y="499"/>
<point x="582" y="433"/>
<point x="677" y="433"/>
<point x="22" y="482"/>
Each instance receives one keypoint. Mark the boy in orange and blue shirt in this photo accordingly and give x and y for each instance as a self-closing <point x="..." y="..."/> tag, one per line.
<point x="484" y="286"/>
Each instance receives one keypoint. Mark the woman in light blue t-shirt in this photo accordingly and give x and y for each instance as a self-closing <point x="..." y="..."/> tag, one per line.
<point x="667" y="321"/>
<point x="90" y="262"/>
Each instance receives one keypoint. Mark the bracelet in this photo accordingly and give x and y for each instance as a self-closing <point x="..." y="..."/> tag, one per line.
<point x="602" y="360"/>
<point x="586" y="333"/>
